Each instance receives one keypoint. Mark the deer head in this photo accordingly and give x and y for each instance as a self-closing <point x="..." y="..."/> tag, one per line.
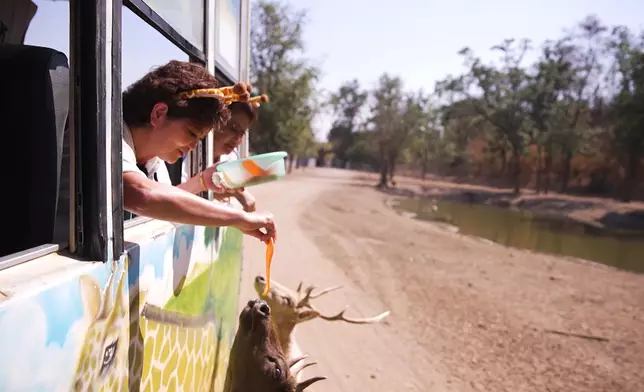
<point x="257" y="362"/>
<point x="294" y="307"/>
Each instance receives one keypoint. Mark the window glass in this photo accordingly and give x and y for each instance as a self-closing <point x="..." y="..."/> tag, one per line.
<point x="143" y="48"/>
<point x="185" y="16"/>
<point x="34" y="63"/>
<point x="229" y="30"/>
<point x="49" y="26"/>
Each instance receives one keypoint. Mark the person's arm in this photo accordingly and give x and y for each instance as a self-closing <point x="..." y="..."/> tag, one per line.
<point x="194" y="185"/>
<point x="145" y="197"/>
<point x="247" y="200"/>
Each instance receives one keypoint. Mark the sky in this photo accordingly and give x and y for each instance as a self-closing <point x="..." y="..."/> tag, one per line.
<point x="416" y="40"/>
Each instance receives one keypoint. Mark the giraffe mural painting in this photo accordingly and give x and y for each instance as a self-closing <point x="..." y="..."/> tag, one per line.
<point x="102" y="358"/>
<point x="160" y="318"/>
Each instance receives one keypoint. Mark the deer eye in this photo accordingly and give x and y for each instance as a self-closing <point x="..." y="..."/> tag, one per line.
<point x="289" y="302"/>
<point x="277" y="373"/>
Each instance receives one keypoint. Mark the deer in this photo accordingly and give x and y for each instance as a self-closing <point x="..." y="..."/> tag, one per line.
<point x="256" y="361"/>
<point x="291" y="308"/>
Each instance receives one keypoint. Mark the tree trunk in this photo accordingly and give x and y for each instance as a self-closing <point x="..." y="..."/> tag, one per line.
<point x="539" y="161"/>
<point x="383" y="175"/>
<point x="565" y="172"/>
<point x="632" y="170"/>
<point x="504" y="161"/>
<point x="516" y="171"/>
<point x="548" y="168"/>
<point x="384" y="168"/>
<point x="290" y="164"/>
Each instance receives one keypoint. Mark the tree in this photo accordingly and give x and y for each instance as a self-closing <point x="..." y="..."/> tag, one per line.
<point x="426" y="143"/>
<point x="502" y="96"/>
<point x="581" y="80"/>
<point x="628" y="104"/>
<point x="347" y="103"/>
<point x="279" y="70"/>
<point x="413" y="120"/>
<point x="395" y="116"/>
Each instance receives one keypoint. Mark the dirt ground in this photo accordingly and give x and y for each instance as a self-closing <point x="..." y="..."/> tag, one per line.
<point x="467" y="315"/>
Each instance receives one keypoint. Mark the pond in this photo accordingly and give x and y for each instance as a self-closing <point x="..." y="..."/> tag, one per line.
<point x="526" y="230"/>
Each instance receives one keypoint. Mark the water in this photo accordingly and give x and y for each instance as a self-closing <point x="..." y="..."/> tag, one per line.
<point x="523" y="229"/>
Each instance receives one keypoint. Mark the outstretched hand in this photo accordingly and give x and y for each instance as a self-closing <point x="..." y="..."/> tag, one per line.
<point x="253" y="224"/>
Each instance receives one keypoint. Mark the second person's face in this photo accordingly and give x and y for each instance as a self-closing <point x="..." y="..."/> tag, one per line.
<point x="232" y="133"/>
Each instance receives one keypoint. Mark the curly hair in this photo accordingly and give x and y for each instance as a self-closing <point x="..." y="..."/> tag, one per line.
<point x="162" y="84"/>
<point x="243" y="107"/>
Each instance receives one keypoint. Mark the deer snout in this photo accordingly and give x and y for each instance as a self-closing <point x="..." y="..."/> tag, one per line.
<point x="260" y="307"/>
<point x="260" y="279"/>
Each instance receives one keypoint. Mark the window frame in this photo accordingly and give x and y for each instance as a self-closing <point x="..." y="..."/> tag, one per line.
<point x="95" y="107"/>
<point x="244" y="61"/>
<point x="96" y="110"/>
<point x="143" y="10"/>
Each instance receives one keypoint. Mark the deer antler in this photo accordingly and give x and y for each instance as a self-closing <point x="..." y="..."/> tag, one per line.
<point x="367" y="320"/>
<point x="308" y="296"/>
<point x="307" y="383"/>
<point x="294" y="361"/>
<point x="304" y="367"/>
<point x="297" y="360"/>
<point x="325" y="291"/>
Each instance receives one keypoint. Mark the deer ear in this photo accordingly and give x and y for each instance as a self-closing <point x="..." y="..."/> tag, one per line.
<point x="307" y="315"/>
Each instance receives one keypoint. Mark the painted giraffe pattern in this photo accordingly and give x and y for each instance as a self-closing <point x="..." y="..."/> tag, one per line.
<point x="165" y="350"/>
<point x="102" y="361"/>
<point x="171" y="354"/>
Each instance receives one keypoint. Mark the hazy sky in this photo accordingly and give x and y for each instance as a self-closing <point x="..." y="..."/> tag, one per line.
<point x="416" y="40"/>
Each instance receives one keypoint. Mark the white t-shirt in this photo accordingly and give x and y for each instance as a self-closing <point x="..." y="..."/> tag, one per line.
<point x="155" y="167"/>
<point x="185" y="165"/>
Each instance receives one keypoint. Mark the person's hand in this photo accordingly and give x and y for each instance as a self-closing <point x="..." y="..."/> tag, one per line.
<point x="252" y="223"/>
<point x="247" y="200"/>
<point x="206" y="180"/>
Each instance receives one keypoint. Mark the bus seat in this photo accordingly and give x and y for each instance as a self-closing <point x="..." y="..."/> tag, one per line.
<point x="34" y="106"/>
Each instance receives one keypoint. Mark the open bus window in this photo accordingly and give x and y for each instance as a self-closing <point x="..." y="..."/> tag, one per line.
<point x="144" y="48"/>
<point x="34" y="74"/>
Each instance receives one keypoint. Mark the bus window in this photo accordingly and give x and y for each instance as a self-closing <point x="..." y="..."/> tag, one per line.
<point x="144" y="48"/>
<point x="34" y="71"/>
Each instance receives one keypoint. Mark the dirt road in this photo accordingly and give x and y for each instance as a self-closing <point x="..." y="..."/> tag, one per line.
<point x="466" y="315"/>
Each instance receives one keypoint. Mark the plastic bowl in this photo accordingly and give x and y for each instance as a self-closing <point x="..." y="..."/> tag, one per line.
<point x="254" y="170"/>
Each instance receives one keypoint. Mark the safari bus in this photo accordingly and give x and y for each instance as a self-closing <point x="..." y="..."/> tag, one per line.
<point x="90" y="298"/>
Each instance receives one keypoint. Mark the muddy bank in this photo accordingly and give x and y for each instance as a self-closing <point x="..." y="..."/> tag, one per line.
<point x="598" y="212"/>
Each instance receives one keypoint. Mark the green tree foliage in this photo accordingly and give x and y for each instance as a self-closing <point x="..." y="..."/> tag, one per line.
<point x="279" y="69"/>
<point x="347" y="105"/>
<point x="580" y="103"/>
